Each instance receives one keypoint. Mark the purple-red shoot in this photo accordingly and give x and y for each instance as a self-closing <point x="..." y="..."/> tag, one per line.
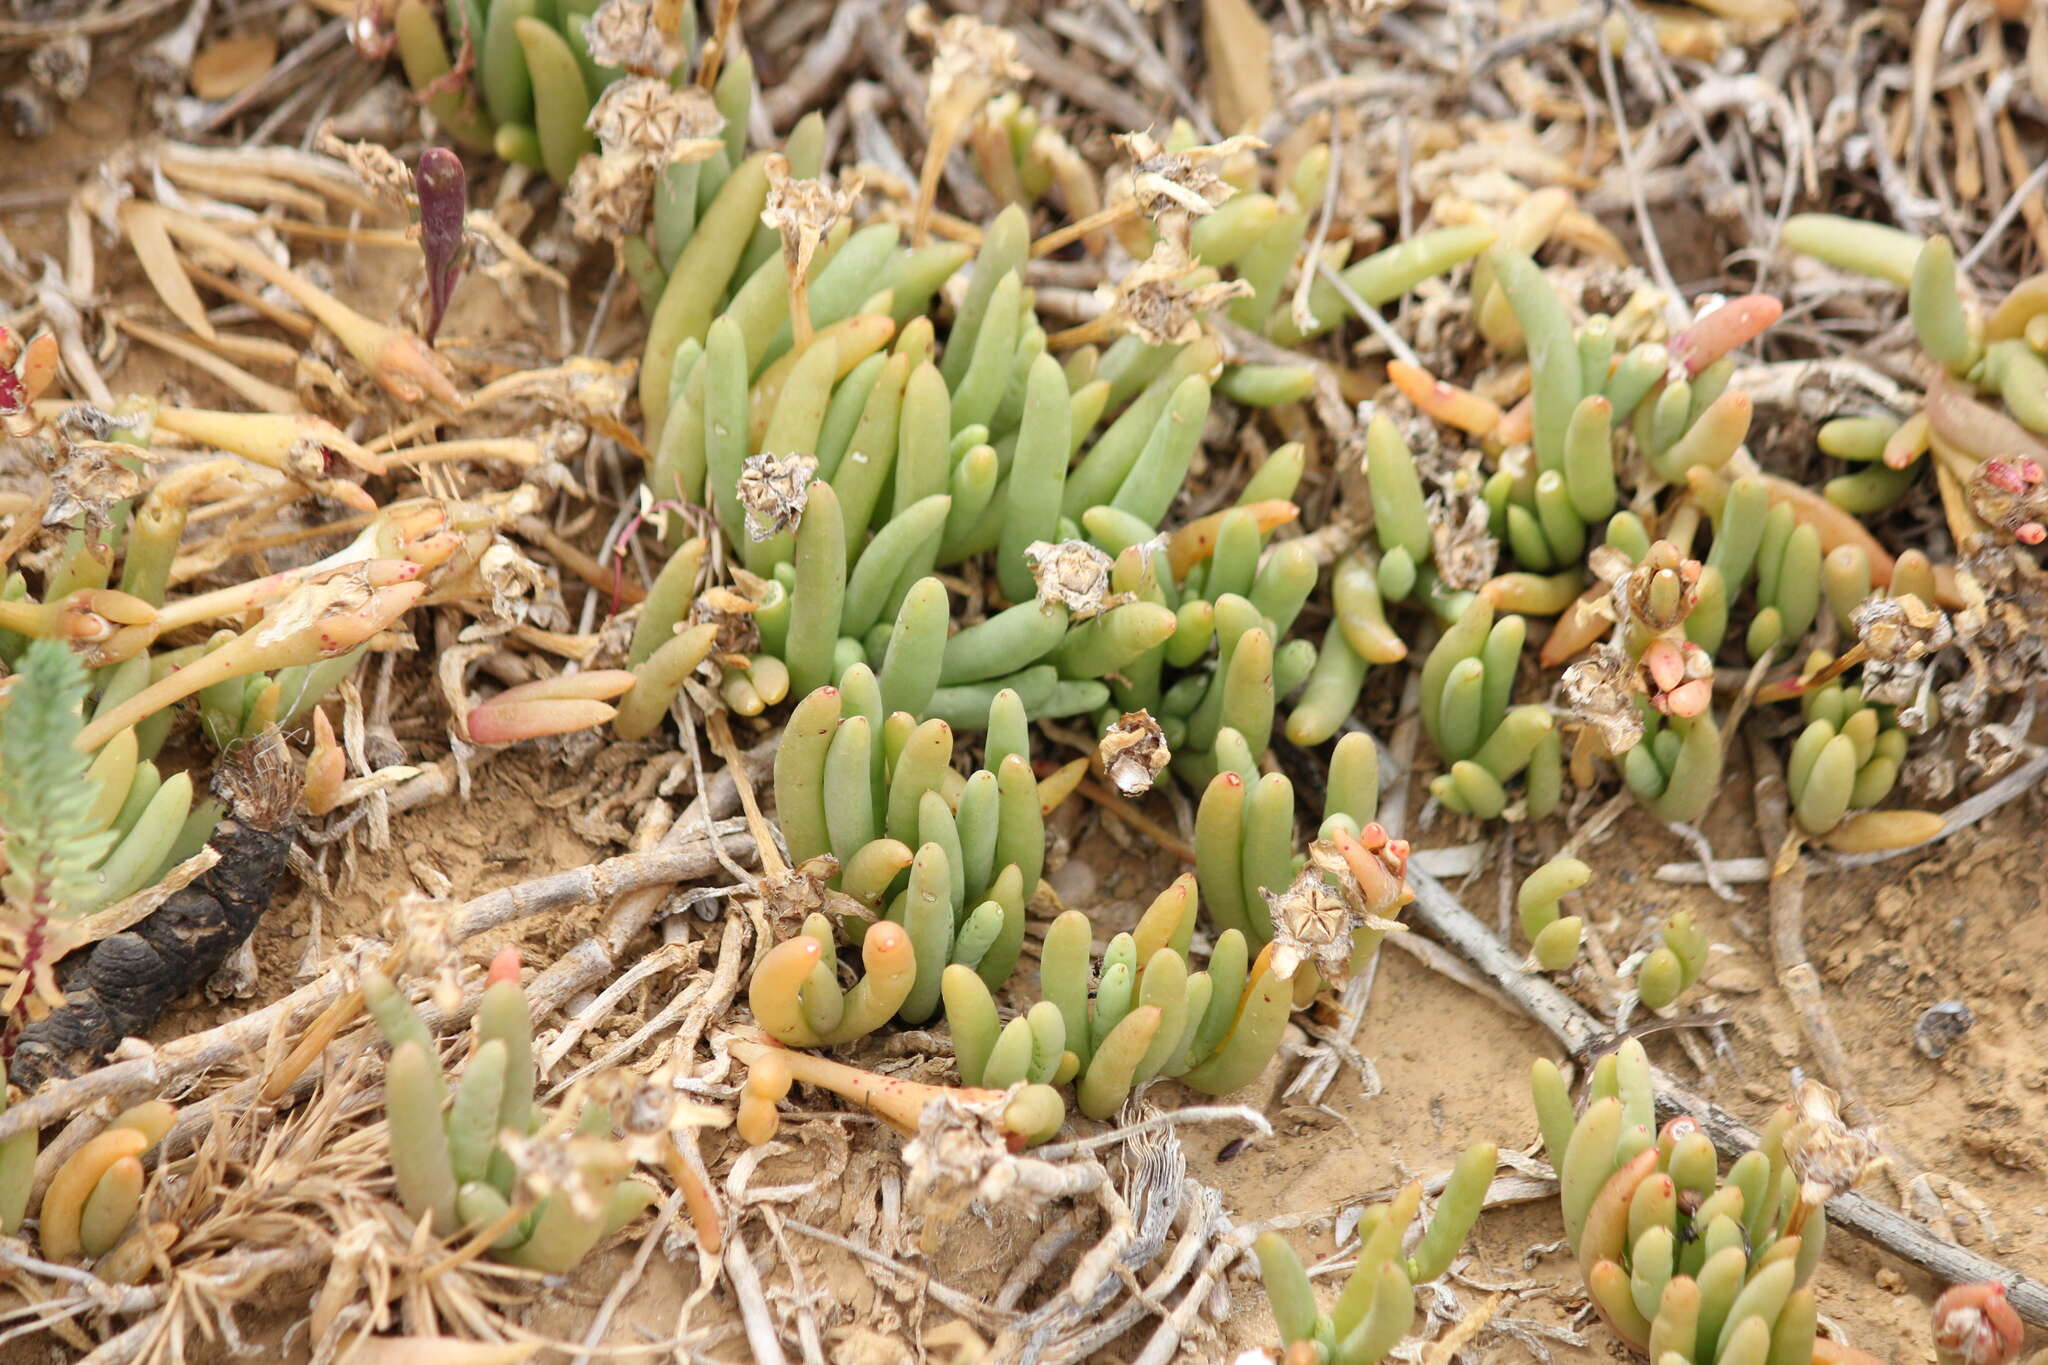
<point x="444" y="202"/>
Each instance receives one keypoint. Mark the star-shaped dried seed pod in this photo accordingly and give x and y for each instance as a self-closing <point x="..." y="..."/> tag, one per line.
<point x="1311" y="923"/>
<point x="1346" y="885"/>
<point x="639" y="116"/>
<point x="1134" y="752"/>
<point x="773" y="489"/>
<point x="628" y="33"/>
<point x="1072" y="572"/>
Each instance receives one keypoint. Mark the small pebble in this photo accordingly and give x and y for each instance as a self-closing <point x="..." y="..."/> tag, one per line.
<point x="1891" y="1281"/>
<point x="1942" y="1027"/>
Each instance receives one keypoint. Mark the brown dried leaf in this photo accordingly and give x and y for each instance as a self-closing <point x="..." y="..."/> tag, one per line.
<point x="159" y="259"/>
<point x="231" y="65"/>
<point x="1240" y="51"/>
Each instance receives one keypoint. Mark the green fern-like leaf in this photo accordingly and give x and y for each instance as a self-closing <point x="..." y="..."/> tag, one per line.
<point x="45" y="796"/>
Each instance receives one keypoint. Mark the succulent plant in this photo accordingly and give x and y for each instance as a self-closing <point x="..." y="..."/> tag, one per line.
<point x="1553" y="938"/>
<point x="949" y="860"/>
<point x="1245" y="852"/>
<point x="1680" y="1257"/>
<point x="90" y="1205"/>
<point x="1146" y="1015"/>
<point x="1674" y="964"/>
<point x="546" y="1188"/>
<point x="1024" y="1114"/>
<point x="1377" y="1305"/>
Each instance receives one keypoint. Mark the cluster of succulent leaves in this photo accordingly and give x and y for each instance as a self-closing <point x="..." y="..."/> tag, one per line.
<point x="532" y="78"/>
<point x="1846" y="758"/>
<point x="89" y="1207"/>
<point x="1245" y="849"/>
<point x="452" y="1170"/>
<point x="1376" y="1307"/>
<point x="1147" y="1015"/>
<point x="1992" y="452"/>
<point x="1665" y="972"/>
<point x="947" y="861"/>
<point x="925" y="461"/>
<point x="1682" y="1260"/>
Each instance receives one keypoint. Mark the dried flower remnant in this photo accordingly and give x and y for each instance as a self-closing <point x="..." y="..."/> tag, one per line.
<point x="1463" y="550"/>
<point x="1072" y="573"/>
<point x="1134" y="752"/>
<point x="732" y="613"/>
<point x="1975" y="1325"/>
<point x="1901" y="630"/>
<point x="626" y="33"/>
<point x="1162" y="299"/>
<point x="1826" y="1155"/>
<point x="642" y="126"/>
<point x="1900" y="637"/>
<point x="2002" y="627"/>
<point x="1170" y="188"/>
<point x="1599" y="691"/>
<point x="608" y="197"/>
<point x="1659" y="593"/>
<point x="803" y="211"/>
<point x="972" y="62"/>
<point x="773" y="489"/>
<point x="1161" y="180"/>
<point x="444" y="203"/>
<point x="963" y="1150"/>
<point x="789" y="898"/>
